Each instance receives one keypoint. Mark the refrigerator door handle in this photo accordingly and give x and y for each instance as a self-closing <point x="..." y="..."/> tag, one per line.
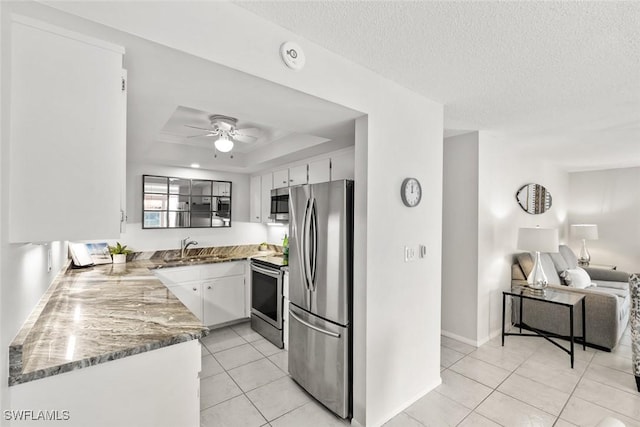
<point x="306" y="245"/>
<point x="315" y="328"/>
<point x="313" y="231"/>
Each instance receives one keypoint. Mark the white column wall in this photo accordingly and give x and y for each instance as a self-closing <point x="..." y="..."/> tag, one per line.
<point x="460" y="238"/>
<point x="611" y="199"/>
<point x="402" y="300"/>
<point x="504" y="167"/>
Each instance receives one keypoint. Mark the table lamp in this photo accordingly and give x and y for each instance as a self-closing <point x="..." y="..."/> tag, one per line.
<point x="538" y="240"/>
<point x="584" y="232"/>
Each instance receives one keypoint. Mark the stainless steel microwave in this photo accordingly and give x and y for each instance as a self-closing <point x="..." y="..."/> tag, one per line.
<point x="279" y="205"/>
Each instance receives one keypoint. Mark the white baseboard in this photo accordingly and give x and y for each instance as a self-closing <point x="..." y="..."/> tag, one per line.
<point x="459" y="338"/>
<point x="491" y="336"/>
<point x="405" y="405"/>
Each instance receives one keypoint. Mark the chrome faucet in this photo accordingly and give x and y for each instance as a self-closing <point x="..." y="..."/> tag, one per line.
<point x="184" y="245"/>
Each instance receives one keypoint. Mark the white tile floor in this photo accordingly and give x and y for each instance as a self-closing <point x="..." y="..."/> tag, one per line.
<point x="528" y="382"/>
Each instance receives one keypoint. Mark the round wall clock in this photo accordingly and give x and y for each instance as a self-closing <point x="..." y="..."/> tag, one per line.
<point x="411" y="192"/>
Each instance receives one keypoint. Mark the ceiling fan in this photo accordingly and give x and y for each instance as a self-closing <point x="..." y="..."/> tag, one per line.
<point x="224" y="129"/>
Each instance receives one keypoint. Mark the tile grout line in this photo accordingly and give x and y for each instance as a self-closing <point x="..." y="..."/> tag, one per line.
<point x="492" y="391"/>
<point x="244" y="393"/>
<point x="557" y="417"/>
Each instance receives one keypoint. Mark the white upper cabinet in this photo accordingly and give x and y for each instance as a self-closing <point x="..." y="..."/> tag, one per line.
<point x="281" y="178"/>
<point x="266" y="185"/>
<point x="67" y="134"/>
<point x="342" y="165"/>
<point x="320" y="171"/>
<point x="255" y="190"/>
<point x="297" y="175"/>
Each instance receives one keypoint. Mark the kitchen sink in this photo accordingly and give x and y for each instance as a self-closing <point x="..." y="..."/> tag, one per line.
<point x="195" y="259"/>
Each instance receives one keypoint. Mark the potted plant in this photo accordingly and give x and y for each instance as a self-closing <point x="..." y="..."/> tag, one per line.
<point x="119" y="253"/>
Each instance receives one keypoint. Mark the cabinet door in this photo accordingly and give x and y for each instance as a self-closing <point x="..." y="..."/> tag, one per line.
<point x="190" y="293"/>
<point x="224" y="300"/>
<point x="281" y="178"/>
<point x="255" y="191"/>
<point x="342" y="166"/>
<point x="67" y="125"/>
<point x="298" y="175"/>
<point x="320" y="171"/>
<point x="266" y="184"/>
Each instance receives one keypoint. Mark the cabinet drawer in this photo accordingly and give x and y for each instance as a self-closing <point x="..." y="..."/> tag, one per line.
<point x="233" y="268"/>
<point x="170" y="276"/>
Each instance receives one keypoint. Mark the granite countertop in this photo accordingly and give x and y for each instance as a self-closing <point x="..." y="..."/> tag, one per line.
<point x="94" y="315"/>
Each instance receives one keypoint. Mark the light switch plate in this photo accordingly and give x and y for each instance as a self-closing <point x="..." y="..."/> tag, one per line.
<point x="409" y="253"/>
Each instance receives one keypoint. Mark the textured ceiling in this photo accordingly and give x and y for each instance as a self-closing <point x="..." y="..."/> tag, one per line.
<point x="555" y="67"/>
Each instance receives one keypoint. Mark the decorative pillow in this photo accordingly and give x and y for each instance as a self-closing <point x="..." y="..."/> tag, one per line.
<point x="565" y="278"/>
<point x="577" y="278"/>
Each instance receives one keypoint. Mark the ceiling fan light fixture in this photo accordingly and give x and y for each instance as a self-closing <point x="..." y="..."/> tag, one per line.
<point x="223" y="144"/>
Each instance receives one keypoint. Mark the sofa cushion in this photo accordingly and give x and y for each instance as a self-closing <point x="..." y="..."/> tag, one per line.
<point x="549" y="269"/>
<point x="526" y="263"/>
<point x="622" y="293"/>
<point x="608" y="275"/>
<point x="559" y="262"/>
<point x="613" y="285"/>
<point x="568" y="255"/>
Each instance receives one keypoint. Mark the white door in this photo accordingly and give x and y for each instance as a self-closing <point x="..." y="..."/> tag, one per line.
<point x="320" y="171"/>
<point x="255" y="191"/>
<point x="67" y="147"/>
<point x="190" y="294"/>
<point x="266" y="184"/>
<point x="342" y="165"/>
<point x="298" y="175"/>
<point x="224" y="300"/>
<point x="281" y="178"/>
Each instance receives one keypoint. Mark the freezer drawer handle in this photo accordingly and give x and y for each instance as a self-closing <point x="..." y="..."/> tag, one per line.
<point x="315" y="328"/>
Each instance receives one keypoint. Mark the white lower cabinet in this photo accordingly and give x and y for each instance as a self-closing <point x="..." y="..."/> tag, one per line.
<point x="223" y="300"/>
<point x="214" y="293"/>
<point x="190" y="293"/>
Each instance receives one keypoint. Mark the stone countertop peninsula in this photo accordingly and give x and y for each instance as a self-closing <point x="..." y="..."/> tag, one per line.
<point x="97" y="314"/>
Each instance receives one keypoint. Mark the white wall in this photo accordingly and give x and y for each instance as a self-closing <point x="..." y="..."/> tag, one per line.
<point x="460" y="237"/>
<point x="611" y="199"/>
<point x="401" y="354"/>
<point x="503" y="168"/>
<point x="241" y="232"/>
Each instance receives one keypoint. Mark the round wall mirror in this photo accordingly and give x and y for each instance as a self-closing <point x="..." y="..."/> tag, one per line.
<point x="534" y="199"/>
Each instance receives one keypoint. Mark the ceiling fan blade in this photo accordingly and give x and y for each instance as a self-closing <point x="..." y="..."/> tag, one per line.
<point x="255" y="132"/>
<point x="244" y="138"/>
<point x="196" y="127"/>
<point x="202" y="135"/>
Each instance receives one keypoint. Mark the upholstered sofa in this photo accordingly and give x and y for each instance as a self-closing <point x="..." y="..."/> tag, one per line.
<point x="607" y="299"/>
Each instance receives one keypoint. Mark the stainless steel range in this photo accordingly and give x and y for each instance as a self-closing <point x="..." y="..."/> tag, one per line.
<point x="267" y="298"/>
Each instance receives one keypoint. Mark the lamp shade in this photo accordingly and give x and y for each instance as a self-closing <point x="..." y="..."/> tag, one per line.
<point x="538" y="239"/>
<point x="584" y="231"/>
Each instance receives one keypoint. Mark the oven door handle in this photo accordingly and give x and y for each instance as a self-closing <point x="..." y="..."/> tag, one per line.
<point x="266" y="271"/>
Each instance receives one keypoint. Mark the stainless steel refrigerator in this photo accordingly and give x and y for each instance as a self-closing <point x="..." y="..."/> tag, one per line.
<point x="321" y="291"/>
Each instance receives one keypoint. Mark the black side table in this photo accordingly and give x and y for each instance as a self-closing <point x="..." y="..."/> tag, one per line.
<point x="550" y="296"/>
